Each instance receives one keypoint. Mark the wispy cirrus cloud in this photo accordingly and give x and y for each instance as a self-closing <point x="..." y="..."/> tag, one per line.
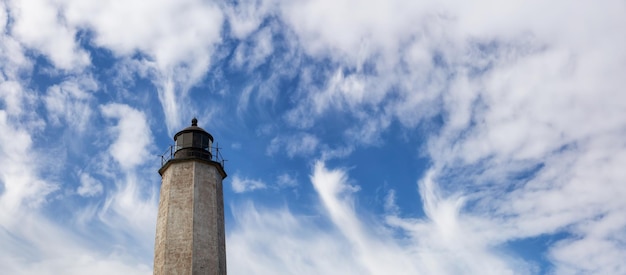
<point x="520" y="122"/>
<point x="178" y="49"/>
<point x="511" y="95"/>
<point x="32" y="242"/>
<point x="445" y="242"/>
<point x="71" y="102"/>
<point x="241" y="185"/>
<point x="89" y="186"/>
<point x="300" y="144"/>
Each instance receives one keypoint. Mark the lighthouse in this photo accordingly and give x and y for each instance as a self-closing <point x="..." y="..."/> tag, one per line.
<point x="190" y="235"/>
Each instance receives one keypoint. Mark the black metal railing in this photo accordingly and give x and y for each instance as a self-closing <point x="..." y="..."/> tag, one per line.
<point x="216" y="155"/>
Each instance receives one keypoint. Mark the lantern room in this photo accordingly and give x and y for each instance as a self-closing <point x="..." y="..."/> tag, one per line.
<point x="193" y="142"/>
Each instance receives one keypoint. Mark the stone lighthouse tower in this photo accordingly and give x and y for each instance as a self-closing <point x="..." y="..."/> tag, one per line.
<point x="190" y="226"/>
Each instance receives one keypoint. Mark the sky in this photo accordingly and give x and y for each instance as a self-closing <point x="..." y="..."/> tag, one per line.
<point x="361" y="137"/>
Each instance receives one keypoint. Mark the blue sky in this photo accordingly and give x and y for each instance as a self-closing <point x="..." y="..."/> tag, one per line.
<point x="362" y="137"/>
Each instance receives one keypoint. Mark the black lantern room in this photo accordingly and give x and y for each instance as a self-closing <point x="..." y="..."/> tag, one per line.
<point x="193" y="142"/>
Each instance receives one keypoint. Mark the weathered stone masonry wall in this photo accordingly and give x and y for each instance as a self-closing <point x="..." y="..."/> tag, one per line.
<point x="190" y="227"/>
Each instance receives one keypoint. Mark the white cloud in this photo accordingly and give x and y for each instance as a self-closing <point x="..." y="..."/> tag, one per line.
<point x="286" y="180"/>
<point x="443" y="243"/>
<point x="246" y="17"/>
<point x="516" y="93"/>
<point x="70" y="102"/>
<point x="12" y="55"/>
<point x="373" y="253"/>
<point x="600" y="251"/>
<point x="13" y="63"/>
<point x="241" y="185"/>
<point x="20" y="179"/>
<point x="522" y="89"/>
<point x="38" y="246"/>
<point x="132" y="135"/>
<point x="250" y="56"/>
<point x="32" y="243"/>
<point x="179" y="36"/>
<point x="390" y="203"/>
<point x="556" y="107"/>
<point x="374" y="26"/>
<point x="39" y="25"/>
<point x="341" y="152"/>
<point x="383" y="68"/>
<point x="254" y="249"/>
<point x="173" y="32"/>
<point x="3" y="17"/>
<point x="368" y="130"/>
<point x="13" y="96"/>
<point x="300" y="144"/>
<point x="89" y="186"/>
<point x="131" y="206"/>
<point x="132" y="209"/>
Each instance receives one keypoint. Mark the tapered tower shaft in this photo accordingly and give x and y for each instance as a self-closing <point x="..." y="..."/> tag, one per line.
<point x="190" y="236"/>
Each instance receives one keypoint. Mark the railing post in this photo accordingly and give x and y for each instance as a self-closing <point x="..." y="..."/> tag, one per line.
<point x="164" y="157"/>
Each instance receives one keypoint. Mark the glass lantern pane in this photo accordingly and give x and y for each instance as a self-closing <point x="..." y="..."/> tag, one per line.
<point x="187" y="139"/>
<point x="179" y="142"/>
<point x="197" y="137"/>
<point x="204" y="142"/>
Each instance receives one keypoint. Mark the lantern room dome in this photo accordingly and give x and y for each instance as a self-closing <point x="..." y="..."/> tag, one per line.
<point x="193" y="128"/>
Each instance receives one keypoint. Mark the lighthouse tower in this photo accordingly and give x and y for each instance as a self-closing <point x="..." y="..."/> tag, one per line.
<point x="190" y="225"/>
